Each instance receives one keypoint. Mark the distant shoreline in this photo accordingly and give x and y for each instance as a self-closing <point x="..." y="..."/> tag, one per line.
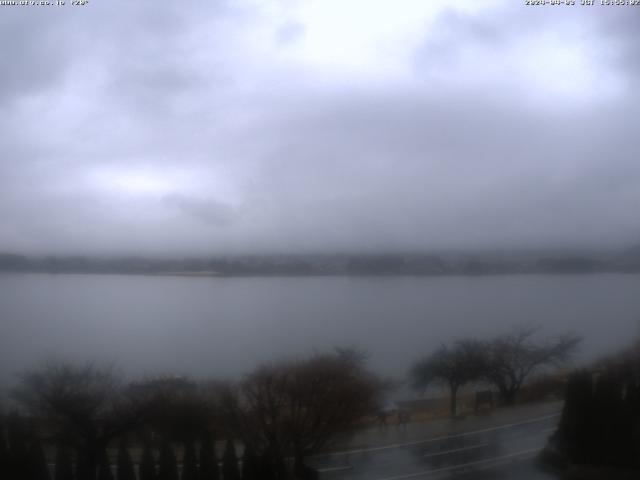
<point x="346" y="265"/>
<point x="320" y="275"/>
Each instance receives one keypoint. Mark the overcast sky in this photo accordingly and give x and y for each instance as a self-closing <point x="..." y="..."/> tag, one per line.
<point x="170" y="127"/>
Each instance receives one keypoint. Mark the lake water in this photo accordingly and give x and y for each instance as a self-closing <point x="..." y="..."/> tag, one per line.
<point x="224" y="327"/>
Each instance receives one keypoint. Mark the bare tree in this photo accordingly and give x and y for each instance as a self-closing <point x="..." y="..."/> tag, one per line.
<point x="299" y="407"/>
<point x="511" y="358"/>
<point x="179" y="409"/>
<point x="85" y="404"/>
<point x="453" y="367"/>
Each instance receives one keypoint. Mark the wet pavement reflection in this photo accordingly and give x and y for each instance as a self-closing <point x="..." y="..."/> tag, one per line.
<point x="501" y="452"/>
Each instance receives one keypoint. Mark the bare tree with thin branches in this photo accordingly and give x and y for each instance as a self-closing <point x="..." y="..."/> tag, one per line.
<point x="453" y="366"/>
<point x="513" y="357"/>
<point x="86" y="404"/>
<point x="300" y="407"/>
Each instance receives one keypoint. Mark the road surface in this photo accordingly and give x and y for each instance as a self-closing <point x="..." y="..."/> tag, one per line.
<point x="502" y="445"/>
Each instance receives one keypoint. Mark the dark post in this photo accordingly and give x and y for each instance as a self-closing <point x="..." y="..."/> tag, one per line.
<point x="63" y="469"/>
<point x="125" y="464"/>
<point x="189" y="463"/>
<point x="147" y="464"/>
<point x="230" y="462"/>
<point x="168" y="465"/>
<point x="208" y="461"/>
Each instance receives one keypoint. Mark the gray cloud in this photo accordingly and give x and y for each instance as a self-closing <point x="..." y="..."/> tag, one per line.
<point x="289" y="32"/>
<point x="130" y="128"/>
<point x="209" y="211"/>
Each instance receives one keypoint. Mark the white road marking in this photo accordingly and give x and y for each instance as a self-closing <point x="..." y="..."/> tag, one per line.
<point x="437" y="439"/>
<point x="476" y="463"/>
<point x="455" y="450"/>
<point x="335" y="469"/>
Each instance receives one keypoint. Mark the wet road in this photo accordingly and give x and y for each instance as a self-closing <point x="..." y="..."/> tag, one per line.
<point x="503" y="451"/>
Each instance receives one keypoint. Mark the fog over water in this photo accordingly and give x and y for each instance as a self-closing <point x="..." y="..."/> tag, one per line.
<point x="223" y="327"/>
<point x="240" y="128"/>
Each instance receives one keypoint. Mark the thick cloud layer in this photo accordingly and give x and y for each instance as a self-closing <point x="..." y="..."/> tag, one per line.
<point x="323" y="125"/>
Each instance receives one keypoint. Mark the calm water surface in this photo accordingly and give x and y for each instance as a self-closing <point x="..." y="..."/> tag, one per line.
<point x="225" y="326"/>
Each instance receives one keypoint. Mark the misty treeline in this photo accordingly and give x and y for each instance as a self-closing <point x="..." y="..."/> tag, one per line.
<point x="167" y="428"/>
<point x="600" y="423"/>
<point x="335" y="264"/>
<point x="504" y="362"/>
